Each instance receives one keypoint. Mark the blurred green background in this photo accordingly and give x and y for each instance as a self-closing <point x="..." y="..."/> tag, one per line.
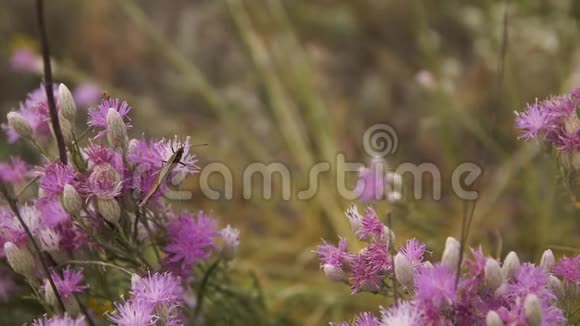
<point x="298" y="81"/>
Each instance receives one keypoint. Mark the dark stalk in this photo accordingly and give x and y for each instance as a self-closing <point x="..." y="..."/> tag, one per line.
<point x="468" y="211"/>
<point x="48" y="87"/>
<point x="12" y="203"/>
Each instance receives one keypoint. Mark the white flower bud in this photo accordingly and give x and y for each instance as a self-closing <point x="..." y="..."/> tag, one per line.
<point x="66" y="102"/>
<point x="493" y="319"/>
<point x="71" y="200"/>
<point x="404" y="270"/>
<point x="116" y="131"/>
<point x="231" y="241"/>
<point x="556" y="286"/>
<point x="20" y="259"/>
<point x="493" y="277"/>
<point x="70" y="303"/>
<point x="109" y="209"/>
<point x="533" y="310"/>
<point x="451" y="253"/>
<point x="547" y="261"/>
<point x="133" y="143"/>
<point x="389" y="235"/>
<point x="511" y="264"/>
<point x="66" y="128"/>
<point x="427" y="264"/>
<point x="334" y="273"/>
<point x="17" y="122"/>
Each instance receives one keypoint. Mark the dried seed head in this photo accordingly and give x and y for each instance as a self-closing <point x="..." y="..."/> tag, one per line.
<point x="451" y="253"/>
<point x="511" y="264"/>
<point x="71" y="200"/>
<point x="109" y="209"/>
<point x="116" y="131"/>
<point x="404" y="270"/>
<point x="533" y="310"/>
<point x="66" y="102"/>
<point x="17" y="122"/>
<point x="493" y="319"/>
<point x="20" y="259"/>
<point x="493" y="277"/>
<point x="231" y="241"/>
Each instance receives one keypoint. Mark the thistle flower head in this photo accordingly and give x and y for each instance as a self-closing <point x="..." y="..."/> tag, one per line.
<point x="98" y="115"/>
<point x="568" y="268"/>
<point x="68" y="282"/>
<point x="370" y="267"/>
<point x="23" y="59"/>
<point x="133" y="313"/>
<point x="104" y="182"/>
<point x="54" y="176"/>
<point x="14" y="171"/>
<point x="157" y="288"/>
<point x="403" y="314"/>
<point x="435" y="286"/>
<point x="191" y="239"/>
<point x="414" y="251"/>
<point x="60" y="321"/>
<point x="87" y="94"/>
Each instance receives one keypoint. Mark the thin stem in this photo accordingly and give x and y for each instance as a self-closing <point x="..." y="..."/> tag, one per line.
<point x="202" y="288"/>
<point x="12" y="203"/>
<point x="48" y="82"/>
<point x="95" y="262"/>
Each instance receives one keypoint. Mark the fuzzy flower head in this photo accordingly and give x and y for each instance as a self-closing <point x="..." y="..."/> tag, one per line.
<point x="371" y="182"/>
<point x="133" y="313"/>
<point x="54" y="176"/>
<point x="157" y="288"/>
<point x="534" y="121"/>
<point x="98" y="115"/>
<point x="568" y="268"/>
<point x="331" y="255"/>
<point x="529" y="279"/>
<point x="14" y="171"/>
<point x="99" y="154"/>
<point x="87" y="94"/>
<point x="157" y="153"/>
<point x="365" y="319"/>
<point x="191" y="239"/>
<point x="23" y="59"/>
<point x="370" y="267"/>
<point x="414" y="250"/>
<point x="35" y="111"/>
<point x="230" y="242"/>
<point x="105" y="182"/>
<point x="371" y="227"/>
<point x="68" y="282"/>
<point x="60" y="321"/>
<point x="403" y="314"/>
<point x="435" y="286"/>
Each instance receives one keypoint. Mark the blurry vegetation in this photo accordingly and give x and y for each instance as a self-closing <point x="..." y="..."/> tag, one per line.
<point x="298" y="81"/>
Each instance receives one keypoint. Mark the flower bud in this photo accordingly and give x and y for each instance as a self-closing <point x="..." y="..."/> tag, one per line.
<point x="389" y="235"/>
<point x="547" y="261"/>
<point x="109" y="209"/>
<point x="533" y="310"/>
<point x="451" y="253"/>
<point x="71" y="200"/>
<point x="66" y="128"/>
<point x="493" y="319"/>
<point x="66" y="102"/>
<point x="404" y="270"/>
<point x="334" y="273"/>
<point x="20" y="259"/>
<point x="231" y="241"/>
<point x="427" y="264"/>
<point x="555" y="285"/>
<point x="493" y="277"/>
<point x="116" y="131"/>
<point x="511" y="264"/>
<point x="17" y="122"/>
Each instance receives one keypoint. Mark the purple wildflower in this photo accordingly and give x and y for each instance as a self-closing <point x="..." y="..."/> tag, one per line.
<point x="414" y="250"/>
<point x="158" y="152"/>
<point x="529" y="279"/>
<point x="568" y="268"/>
<point x="157" y="288"/>
<point x="99" y="154"/>
<point x="98" y="115"/>
<point x="68" y="282"/>
<point x="371" y="227"/>
<point x="190" y="240"/>
<point x="403" y="314"/>
<point x="370" y="267"/>
<point x="87" y="94"/>
<point x="104" y="182"/>
<point x="52" y="212"/>
<point x="371" y="182"/>
<point x="534" y="121"/>
<point x="13" y="172"/>
<point x="435" y="286"/>
<point x="331" y="255"/>
<point x="133" y="313"/>
<point x="35" y="111"/>
<point x="365" y="319"/>
<point x="60" y="321"/>
<point x="54" y="177"/>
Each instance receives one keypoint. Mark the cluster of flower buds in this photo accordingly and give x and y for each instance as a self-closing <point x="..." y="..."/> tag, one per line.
<point x="477" y="291"/>
<point x="104" y="206"/>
